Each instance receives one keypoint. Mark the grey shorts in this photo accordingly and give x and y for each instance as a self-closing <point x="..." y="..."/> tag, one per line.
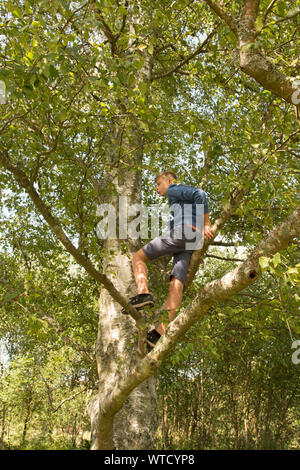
<point x="172" y="242"/>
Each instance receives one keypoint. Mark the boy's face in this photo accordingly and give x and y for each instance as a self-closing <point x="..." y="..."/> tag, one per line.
<point x="162" y="185"/>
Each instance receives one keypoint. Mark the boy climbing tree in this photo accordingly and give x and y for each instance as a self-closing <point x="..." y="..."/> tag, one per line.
<point x="174" y="241"/>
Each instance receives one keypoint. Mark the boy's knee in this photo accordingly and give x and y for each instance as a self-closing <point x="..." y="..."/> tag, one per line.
<point x="175" y="282"/>
<point x="139" y="255"/>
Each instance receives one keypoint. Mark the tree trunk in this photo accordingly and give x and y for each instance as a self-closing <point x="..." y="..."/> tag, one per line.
<point x="164" y="422"/>
<point x="3" y="422"/>
<point x="27" y="416"/>
<point x="3" y="446"/>
<point x="134" y="425"/>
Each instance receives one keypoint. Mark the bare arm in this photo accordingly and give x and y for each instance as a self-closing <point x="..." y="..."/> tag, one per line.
<point x="208" y="232"/>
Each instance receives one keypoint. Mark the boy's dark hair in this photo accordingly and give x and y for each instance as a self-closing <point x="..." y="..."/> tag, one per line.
<point x="166" y="173"/>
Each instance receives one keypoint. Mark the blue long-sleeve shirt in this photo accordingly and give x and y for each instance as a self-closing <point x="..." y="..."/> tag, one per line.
<point x="185" y="203"/>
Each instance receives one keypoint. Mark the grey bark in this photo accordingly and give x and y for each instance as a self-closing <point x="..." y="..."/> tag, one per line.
<point x="117" y="348"/>
<point x="253" y="61"/>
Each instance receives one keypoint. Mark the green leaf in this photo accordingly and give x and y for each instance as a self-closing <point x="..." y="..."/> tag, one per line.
<point x="276" y="259"/>
<point x="17" y="12"/>
<point x="151" y="49"/>
<point x="11" y="296"/>
<point x="264" y="263"/>
<point x="53" y="72"/>
<point x="259" y="24"/>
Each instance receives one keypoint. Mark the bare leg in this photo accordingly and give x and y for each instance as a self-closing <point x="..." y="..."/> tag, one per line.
<point x="172" y="303"/>
<point x="139" y="260"/>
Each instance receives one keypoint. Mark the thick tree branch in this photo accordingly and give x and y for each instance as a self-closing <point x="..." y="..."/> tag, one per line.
<point x="55" y="225"/>
<point x="217" y="8"/>
<point x="124" y="19"/>
<point x="112" y="39"/>
<point x="253" y="62"/>
<point x="250" y="12"/>
<point x="219" y="290"/>
<point x="227" y="211"/>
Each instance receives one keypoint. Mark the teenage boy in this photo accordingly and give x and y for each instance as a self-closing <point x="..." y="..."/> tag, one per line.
<point x="173" y="242"/>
